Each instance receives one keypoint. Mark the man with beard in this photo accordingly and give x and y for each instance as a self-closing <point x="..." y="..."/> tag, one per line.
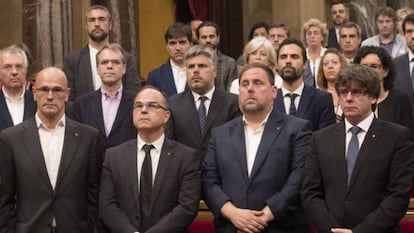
<point x="80" y="65"/>
<point x="108" y="109"/>
<point x="386" y="22"/>
<point x="252" y="173"/>
<point x="339" y="15"/>
<point x="296" y="98"/>
<point x="170" y="77"/>
<point x="196" y="111"/>
<point x="208" y="33"/>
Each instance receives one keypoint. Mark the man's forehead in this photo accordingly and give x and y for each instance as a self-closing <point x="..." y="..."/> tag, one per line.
<point x="178" y="39"/>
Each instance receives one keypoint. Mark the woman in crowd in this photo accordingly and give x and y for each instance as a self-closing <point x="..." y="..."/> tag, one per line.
<point x="401" y="13"/>
<point x="315" y="37"/>
<point x="332" y="62"/>
<point x="392" y="105"/>
<point x="258" y="50"/>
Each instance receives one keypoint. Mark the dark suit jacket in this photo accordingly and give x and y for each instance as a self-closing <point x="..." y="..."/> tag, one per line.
<point x="314" y="105"/>
<point x="184" y="125"/>
<point x="308" y="78"/>
<point x="403" y="80"/>
<point x="175" y="195"/>
<point x="6" y="120"/>
<point x="163" y="79"/>
<point x="275" y="179"/>
<point x="28" y="202"/>
<point x="378" y="194"/>
<point x="87" y="109"/>
<point x="332" y="39"/>
<point x="77" y="67"/>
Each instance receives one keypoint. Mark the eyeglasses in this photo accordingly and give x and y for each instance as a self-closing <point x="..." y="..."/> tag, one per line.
<point x="150" y="105"/>
<point x="9" y="67"/>
<point x="373" y="66"/>
<point x="56" y="91"/>
<point x="112" y="61"/>
<point x="356" y="92"/>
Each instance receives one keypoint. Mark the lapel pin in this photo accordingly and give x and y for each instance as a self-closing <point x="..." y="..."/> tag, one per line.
<point x="76" y="134"/>
<point x="373" y="136"/>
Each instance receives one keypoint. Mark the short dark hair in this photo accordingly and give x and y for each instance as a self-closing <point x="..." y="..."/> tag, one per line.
<point x="256" y="26"/>
<point x="178" y="30"/>
<point x="164" y="96"/>
<point x="99" y="7"/>
<point x="407" y="19"/>
<point x="208" y="24"/>
<point x="386" y="63"/>
<point x="350" y="24"/>
<point x="269" y="72"/>
<point x="388" y="12"/>
<point x="112" y="47"/>
<point x="295" y="42"/>
<point x="360" y="76"/>
<point x="282" y="26"/>
<point x="337" y="2"/>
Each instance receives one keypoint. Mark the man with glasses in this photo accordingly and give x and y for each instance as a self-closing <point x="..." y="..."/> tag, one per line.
<point x="357" y="176"/>
<point x="197" y="110"/>
<point x="16" y="103"/>
<point x="80" y="65"/>
<point x="49" y="166"/>
<point x="108" y="109"/>
<point x="151" y="183"/>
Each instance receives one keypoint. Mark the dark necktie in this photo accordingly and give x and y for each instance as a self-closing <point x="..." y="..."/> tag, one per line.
<point x="202" y="112"/>
<point x="146" y="188"/>
<point x="292" y="107"/>
<point x="353" y="149"/>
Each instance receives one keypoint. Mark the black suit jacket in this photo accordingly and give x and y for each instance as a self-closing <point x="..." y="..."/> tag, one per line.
<point x="378" y="194"/>
<point x="87" y="109"/>
<point x="77" y="67"/>
<point x="175" y="195"/>
<point x="314" y="105"/>
<point x="332" y="39"/>
<point x="6" y="120"/>
<point x="28" y="202"/>
<point x="184" y="125"/>
<point x="403" y="80"/>
<point x="275" y="179"/>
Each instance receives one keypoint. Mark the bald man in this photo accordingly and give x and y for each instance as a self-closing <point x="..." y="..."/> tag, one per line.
<point x="49" y="166"/>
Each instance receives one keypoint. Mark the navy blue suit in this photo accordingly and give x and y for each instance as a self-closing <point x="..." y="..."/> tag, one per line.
<point x="403" y="80"/>
<point x="163" y="79"/>
<point x="332" y="39"/>
<point x="314" y="105"/>
<point x="87" y="109"/>
<point x="275" y="179"/>
<point x="5" y="117"/>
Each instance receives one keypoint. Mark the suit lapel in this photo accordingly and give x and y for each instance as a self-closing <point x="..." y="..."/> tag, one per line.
<point x="216" y="106"/>
<point x="131" y="164"/>
<point x="272" y="129"/>
<point x="192" y="113"/>
<point x="70" y="144"/>
<point x="238" y="142"/>
<point x="5" y="114"/>
<point x="85" y="68"/>
<point x="95" y="104"/>
<point x="124" y="109"/>
<point x="339" y="151"/>
<point x="304" y="103"/>
<point x="279" y="102"/>
<point x="31" y="141"/>
<point x="29" y="105"/>
<point x="168" y="75"/>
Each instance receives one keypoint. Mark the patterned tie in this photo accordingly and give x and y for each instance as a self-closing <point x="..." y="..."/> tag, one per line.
<point x="292" y="107"/>
<point x="146" y="188"/>
<point x="353" y="149"/>
<point x="202" y="112"/>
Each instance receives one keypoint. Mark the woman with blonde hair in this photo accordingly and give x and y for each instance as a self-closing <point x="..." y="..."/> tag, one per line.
<point x="315" y="37"/>
<point x="332" y="62"/>
<point x="258" y="50"/>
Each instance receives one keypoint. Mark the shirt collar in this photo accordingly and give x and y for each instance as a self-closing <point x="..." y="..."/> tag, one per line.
<point x="298" y="90"/>
<point x="364" y="124"/>
<point x="10" y="98"/>
<point x="40" y="124"/>
<point x="209" y="94"/>
<point x="410" y="55"/>
<point x="157" y="143"/>
<point x="175" y="66"/>
<point x="117" y="95"/>
<point x="245" y="122"/>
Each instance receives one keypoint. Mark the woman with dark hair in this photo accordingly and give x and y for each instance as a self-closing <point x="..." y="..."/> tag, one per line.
<point x="392" y="105"/>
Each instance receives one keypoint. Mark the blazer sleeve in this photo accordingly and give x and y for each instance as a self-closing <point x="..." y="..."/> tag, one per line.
<point x="132" y="78"/>
<point x="313" y="195"/>
<point x="7" y="187"/>
<point x="395" y="203"/>
<point x="188" y="201"/>
<point x="69" y="67"/>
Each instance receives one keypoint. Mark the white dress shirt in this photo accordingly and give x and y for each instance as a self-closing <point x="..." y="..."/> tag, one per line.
<point x="364" y="125"/>
<point x="180" y="77"/>
<point x="207" y="102"/>
<point x="286" y="99"/>
<point x="15" y="106"/>
<point x="154" y="153"/>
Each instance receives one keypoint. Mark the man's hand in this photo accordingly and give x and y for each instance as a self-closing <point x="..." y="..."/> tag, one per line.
<point x="245" y="220"/>
<point x="341" y="230"/>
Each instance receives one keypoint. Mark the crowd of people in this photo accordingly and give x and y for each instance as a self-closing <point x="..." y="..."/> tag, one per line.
<point x="295" y="135"/>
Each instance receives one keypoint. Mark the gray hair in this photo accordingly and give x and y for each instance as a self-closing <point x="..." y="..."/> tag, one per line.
<point x="13" y="49"/>
<point x="204" y="50"/>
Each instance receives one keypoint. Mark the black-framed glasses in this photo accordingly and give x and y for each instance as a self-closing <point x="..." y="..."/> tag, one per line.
<point x="355" y="92"/>
<point x="112" y="61"/>
<point x="56" y="91"/>
<point x="149" y="105"/>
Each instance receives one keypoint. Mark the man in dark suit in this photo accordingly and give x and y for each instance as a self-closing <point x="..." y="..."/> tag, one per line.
<point x="251" y="176"/>
<point x="109" y="109"/>
<point x="49" y="166"/>
<point x="404" y="64"/>
<point x="150" y="184"/>
<point x="16" y="103"/>
<point x="308" y="102"/>
<point x="80" y="65"/>
<point x="361" y="180"/>
<point x="339" y="15"/>
<point x="218" y="106"/>
<point x="170" y="77"/>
